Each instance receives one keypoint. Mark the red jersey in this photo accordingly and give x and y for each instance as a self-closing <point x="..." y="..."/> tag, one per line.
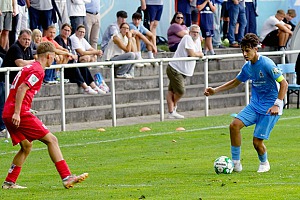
<point x="32" y="75"/>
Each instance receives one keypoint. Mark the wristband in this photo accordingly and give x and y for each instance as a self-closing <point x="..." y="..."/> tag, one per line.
<point x="278" y="102"/>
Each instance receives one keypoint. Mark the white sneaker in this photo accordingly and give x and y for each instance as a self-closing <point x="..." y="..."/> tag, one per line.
<point x="11" y="185"/>
<point x="89" y="90"/>
<point x="138" y="65"/>
<point x="156" y="64"/>
<point x="147" y="64"/>
<point x="98" y="90"/>
<point x="3" y="133"/>
<point x="175" y="115"/>
<point x="124" y="76"/>
<point x="263" y="167"/>
<point x="237" y="166"/>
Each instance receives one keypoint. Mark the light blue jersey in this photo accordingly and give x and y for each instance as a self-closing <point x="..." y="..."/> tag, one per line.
<point x="263" y="75"/>
<point x="141" y="28"/>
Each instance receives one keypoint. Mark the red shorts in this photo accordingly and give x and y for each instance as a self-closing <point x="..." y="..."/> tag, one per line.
<point x="31" y="128"/>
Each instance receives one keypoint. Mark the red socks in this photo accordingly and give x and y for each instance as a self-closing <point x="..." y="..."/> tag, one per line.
<point x="63" y="169"/>
<point x="13" y="173"/>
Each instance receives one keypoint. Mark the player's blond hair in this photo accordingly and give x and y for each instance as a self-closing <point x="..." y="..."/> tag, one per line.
<point x="45" y="47"/>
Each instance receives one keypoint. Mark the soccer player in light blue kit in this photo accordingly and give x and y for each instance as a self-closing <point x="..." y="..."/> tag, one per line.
<point x="266" y="103"/>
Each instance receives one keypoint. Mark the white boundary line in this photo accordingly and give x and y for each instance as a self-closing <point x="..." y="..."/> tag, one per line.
<point x="137" y="136"/>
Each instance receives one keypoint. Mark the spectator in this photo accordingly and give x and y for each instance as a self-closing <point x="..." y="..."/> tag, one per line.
<point x="36" y="39"/>
<point x="82" y="75"/>
<point x="291" y="14"/>
<point x="155" y="8"/>
<point x="194" y="12"/>
<point x="120" y="47"/>
<point x="184" y="6"/>
<point x="93" y="22"/>
<point x="190" y="45"/>
<point x="84" y="50"/>
<point x="176" y="31"/>
<point x="251" y="15"/>
<point x="236" y="11"/>
<point x="141" y="33"/>
<point x="62" y="54"/>
<point x="7" y="11"/>
<point x="77" y="12"/>
<point x="40" y="14"/>
<point x="225" y="20"/>
<point x="207" y="8"/>
<point x="23" y="16"/>
<point x="275" y="32"/>
<point x="12" y="35"/>
<point x="113" y="28"/>
<point x="63" y="10"/>
<point x="216" y="39"/>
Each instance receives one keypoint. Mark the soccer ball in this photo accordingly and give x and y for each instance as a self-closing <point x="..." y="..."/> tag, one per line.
<point x="223" y="165"/>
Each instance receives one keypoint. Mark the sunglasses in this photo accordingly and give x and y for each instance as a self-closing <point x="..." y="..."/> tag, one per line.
<point x="179" y="17"/>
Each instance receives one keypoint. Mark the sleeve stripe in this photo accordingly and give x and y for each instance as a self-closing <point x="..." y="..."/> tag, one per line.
<point x="280" y="78"/>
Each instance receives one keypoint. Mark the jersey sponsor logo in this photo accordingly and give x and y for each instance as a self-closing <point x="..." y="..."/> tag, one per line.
<point x="33" y="80"/>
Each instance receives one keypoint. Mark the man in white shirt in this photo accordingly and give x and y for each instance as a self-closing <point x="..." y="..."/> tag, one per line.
<point x="189" y="46"/>
<point x="275" y="32"/>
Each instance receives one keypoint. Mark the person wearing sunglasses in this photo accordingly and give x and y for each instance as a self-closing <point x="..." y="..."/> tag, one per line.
<point x="176" y="31"/>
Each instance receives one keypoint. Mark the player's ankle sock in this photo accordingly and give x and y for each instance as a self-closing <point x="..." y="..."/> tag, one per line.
<point x="13" y="173"/>
<point x="235" y="152"/>
<point x="63" y="169"/>
<point x="263" y="158"/>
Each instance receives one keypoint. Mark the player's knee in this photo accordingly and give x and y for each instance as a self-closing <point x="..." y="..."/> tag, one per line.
<point x="26" y="148"/>
<point x="235" y="125"/>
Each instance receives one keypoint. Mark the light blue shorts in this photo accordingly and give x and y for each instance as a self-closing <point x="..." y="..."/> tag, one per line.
<point x="264" y="123"/>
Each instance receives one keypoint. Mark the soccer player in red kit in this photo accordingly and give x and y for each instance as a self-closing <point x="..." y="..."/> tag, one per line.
<point x="24" y="127"/>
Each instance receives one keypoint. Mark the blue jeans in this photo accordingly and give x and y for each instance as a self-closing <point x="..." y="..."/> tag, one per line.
<point x="216" y="40"/>
<point x="49" y="75"/>
<point x="251" y="18"/>
<point x="2" y="101"/>
<point x="236" y="14"/>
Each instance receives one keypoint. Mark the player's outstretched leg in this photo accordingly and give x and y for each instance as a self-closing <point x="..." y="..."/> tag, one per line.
<point x="71" y="180"/>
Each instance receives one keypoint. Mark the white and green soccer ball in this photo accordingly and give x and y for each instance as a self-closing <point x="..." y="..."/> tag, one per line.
<point x="223" y="165"/>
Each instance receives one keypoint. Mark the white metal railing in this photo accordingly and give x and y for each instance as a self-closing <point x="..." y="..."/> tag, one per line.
<point x="159" y="60"/>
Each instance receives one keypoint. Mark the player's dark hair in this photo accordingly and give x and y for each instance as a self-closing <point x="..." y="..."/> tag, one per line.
<point x="136" y="15"/>
<point x="122" y="14"/>
<point x="249" y="41"/>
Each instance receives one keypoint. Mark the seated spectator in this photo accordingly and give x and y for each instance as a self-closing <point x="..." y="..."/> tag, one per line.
<point x="291" y="14"/>
<point x="120" y="48"/>
<point x="62" y="54"/>
<point x="176" y="31"/>
<point x="113" y="28"/>
<point x="82" y="75"/>
<point x="141" y="33"/>
<point x="83" y="49"/>
<point x="275" y="32"/>
<point x="36" y="39"/>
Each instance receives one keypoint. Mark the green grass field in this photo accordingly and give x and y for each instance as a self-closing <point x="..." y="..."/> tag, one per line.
<point x="162" y="164"/>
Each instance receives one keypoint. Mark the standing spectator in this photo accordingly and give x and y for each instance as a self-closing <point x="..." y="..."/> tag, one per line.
<point x="7" y="12"/>
<point x="216" y="40"/>
<point x="207" y="8"/>
<point x="12" y="36"/>
<point x="236" y="11"/>
<point x="224" y="20"/>
<point x="275" y="32"/>
<point x="113" y="28"/>
<point x="266" y="102"/>
<point x="63" y="10"/>
<point x="251" y="15"/>
<point x="82" y="75"/>
<point x="184" y="6"/>
<point x="77" y="12"/>
<point x="194" y="12"/>
<point x="40" y="14"/>
<point x="291" y="14"/>
<point x="120" y="47"/>
<point x="155" y="8"/>
<point x="189" y="46"/>
<point x="176" y="31"/>
<point x="23" y="16"/>
<point x="24" y="127"/>
<point x="93" y="22"/>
